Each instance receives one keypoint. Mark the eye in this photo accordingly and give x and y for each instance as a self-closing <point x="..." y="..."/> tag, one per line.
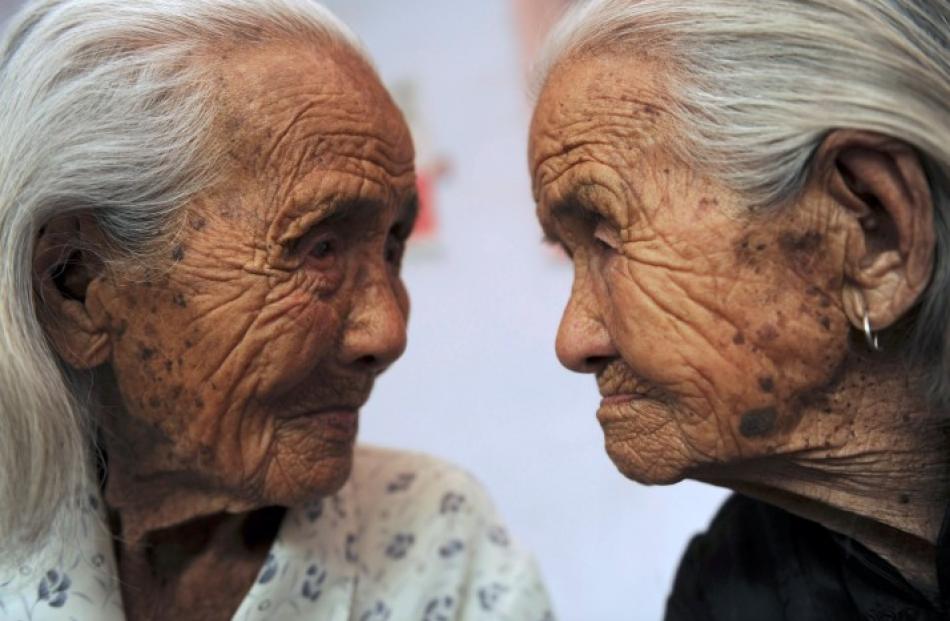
<point x="606" y="237"/>
<point x="324" y="252"/>
<point x="395" y="247"/>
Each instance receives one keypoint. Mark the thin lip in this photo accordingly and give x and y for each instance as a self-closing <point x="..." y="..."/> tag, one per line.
<point x="622" y="397"/>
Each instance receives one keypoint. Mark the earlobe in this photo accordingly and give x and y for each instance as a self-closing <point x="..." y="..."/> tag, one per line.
<point x="882" y="189"/>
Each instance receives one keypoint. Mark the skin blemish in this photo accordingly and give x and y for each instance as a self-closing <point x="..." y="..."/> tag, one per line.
<point x="738" y="338"/>
<point x="767" y="333"/>
<point x="757" y="422"/>
<point x="197" y="222"/>
<point x="707" y="204"/>
<point x="180" y="300"/>
<point x="146" y="353"/>
<point x="825" y="322"/>
<point x="178" y="253"/>
<point x="746" y="248"/>
<point x="793" y="244"/>
<point x="766" y="384"/>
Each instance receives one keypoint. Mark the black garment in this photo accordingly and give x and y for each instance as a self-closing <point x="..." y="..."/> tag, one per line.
<point x="758" y="563"/>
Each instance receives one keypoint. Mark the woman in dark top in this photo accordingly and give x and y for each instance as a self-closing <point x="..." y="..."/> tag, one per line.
<point x="756" y="200"/>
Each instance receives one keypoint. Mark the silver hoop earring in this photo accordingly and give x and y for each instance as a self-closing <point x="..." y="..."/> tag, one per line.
<point x="869" y="335"/>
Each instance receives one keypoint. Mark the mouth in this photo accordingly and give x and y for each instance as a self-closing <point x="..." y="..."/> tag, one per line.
<point x="620" y="387"/>
<point x="338" y="422"/>
<point x="620" y="398"/>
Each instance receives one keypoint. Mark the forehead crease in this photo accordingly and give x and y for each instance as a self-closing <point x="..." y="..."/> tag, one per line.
<point x="315" y="125"/>
<point x="604" y="131"/>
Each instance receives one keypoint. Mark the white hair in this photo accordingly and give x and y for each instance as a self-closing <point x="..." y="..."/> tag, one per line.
<point x="758" y="85"/>
<point x="104" y="109"/>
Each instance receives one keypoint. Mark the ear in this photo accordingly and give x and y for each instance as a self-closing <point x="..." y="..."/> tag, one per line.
<point x="881" y="185"/>
<point x="63" y="272"/>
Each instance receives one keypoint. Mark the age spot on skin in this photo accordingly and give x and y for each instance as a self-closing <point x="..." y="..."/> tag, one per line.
<point x="197" y="222"/>
<point x="178" y="253"/>
<point x="766" y="384"/>
<point x="738" y="338"/>
<point x="180" y="300"/>
<point x="746" y="249"/>
<point x="146" y="353"/>
<point x="794" y="244"/>
<point x="767" y="333"/>
<point x="757" y="422"/>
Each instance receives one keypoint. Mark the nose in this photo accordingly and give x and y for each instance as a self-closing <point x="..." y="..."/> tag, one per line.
<point x="583" y="343"/>
<point x="375" y="334"/>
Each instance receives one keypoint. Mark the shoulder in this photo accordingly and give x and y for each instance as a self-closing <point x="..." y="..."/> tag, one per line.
<point x="433" y="544"/>
<point x="749" y="560"/>
<point x="419" y="498"/>
<point x="73" y="577"/>
<point x="385" y="476"/>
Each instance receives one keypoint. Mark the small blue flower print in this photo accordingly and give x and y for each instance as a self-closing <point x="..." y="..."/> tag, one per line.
<point x="349" y="550"/>
<point x="451" y="503"/>
<point x="54" y="588"/>
<point x="313" y="583"/>
<point x="400" y="544"/>
<point x="498" y="536"/>
<point x="451" y="548"/>
<point x="439" y="609"/>
<point x="269" y="570"/>
<point x="401" y="482"/>
<point x="313" y="510"/>
<point x="379" y="612"/>
<point x="488" y="596"/>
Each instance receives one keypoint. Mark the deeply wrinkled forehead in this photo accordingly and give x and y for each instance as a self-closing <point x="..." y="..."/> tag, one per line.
<point x="597" y="103"/>
<point x="278" y="97"/>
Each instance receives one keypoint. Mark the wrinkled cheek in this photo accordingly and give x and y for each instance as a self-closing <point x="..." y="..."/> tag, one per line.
<point x="659" y="331"/>
<point x="299" y="332"/>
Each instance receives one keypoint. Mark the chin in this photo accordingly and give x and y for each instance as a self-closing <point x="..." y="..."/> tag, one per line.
<point x="306" y="479"/>
<point x="644" y="468"/>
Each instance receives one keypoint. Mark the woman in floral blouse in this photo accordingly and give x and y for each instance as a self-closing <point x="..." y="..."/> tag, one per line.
<point x="203" y="208"/>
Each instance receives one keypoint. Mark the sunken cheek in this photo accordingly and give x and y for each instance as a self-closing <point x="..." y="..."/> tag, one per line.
<point x="773" y="340"/>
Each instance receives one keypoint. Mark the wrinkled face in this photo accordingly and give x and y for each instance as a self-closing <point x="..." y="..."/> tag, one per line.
<point x="243" y="368"/>
<point x="710" y="328"/>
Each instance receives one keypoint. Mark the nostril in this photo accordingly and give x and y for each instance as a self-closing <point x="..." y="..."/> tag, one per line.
<point x="368" y="361"/>
<point x="595" y="363"/>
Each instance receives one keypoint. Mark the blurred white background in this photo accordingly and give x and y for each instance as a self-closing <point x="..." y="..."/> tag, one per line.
<point x="479" y="384"/>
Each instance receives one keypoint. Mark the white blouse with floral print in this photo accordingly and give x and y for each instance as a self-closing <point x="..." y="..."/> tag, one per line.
<point x="407" y="538"/>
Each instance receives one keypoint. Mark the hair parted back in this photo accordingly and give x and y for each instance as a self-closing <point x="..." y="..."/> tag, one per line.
<point x="106" y="109"/>
<point x="756" y="86"/>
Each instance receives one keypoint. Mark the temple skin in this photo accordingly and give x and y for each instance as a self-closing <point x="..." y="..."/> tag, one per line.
<point x="725" y="339"/>
<point x="232" y="372"/>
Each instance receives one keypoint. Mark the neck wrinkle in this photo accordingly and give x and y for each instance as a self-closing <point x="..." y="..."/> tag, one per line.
<point x="887" y="485"/>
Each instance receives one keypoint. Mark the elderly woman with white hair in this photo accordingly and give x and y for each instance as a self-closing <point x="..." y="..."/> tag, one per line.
<point x="756" y="200"/>
<point x="203" y="208"/>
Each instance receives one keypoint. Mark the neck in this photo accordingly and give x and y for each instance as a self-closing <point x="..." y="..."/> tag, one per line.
<point x="182" y="551"/>
<point x="869" y="460"/>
